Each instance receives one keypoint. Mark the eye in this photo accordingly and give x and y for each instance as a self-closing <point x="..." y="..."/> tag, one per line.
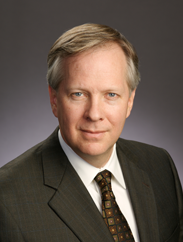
<point x="78" y="94"/>
<point x="112" y="94"/>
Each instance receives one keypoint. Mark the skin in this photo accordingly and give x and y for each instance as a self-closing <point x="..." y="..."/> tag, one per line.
<point x="93" y="102"/>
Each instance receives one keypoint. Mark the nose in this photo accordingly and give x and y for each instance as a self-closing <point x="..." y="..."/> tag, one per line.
<point x="94" y="110"/>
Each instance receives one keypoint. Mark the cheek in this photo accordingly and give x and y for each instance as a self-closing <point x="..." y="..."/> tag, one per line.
<point x="70" y="116"/>
<point x="117" y="116"/>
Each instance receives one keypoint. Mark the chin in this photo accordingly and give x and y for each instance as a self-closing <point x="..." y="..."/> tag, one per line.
<point x="94" y="150"/>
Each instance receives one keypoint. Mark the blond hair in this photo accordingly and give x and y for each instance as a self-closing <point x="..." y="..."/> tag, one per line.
<point x="83" y="38"/>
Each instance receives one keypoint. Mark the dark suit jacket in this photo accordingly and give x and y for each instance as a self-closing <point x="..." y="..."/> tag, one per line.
<point x="42" y="198"/>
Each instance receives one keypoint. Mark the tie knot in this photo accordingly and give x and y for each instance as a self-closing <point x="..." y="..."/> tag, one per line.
<point x="104" y="180"/>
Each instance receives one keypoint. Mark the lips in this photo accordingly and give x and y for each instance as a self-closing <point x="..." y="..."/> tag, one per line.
<point x="93" y="133"/>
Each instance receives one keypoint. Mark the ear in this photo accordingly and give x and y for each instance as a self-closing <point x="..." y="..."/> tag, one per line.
<point x="130" y="103"/>
<point x="53" y="100"/>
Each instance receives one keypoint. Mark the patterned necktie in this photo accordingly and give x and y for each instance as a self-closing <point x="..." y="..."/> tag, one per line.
<point x="112" y="215"/>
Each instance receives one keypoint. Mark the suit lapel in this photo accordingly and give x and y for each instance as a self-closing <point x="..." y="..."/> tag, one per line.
<point x="71" y="201"/>
<point x="141" y="194"/>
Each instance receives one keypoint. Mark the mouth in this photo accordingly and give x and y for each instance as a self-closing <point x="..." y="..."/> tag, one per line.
<point x="93" y="133"/>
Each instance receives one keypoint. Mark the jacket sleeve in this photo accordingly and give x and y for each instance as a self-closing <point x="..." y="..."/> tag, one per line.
<point x="179" y="196"/>
<point x="9" y="230"/>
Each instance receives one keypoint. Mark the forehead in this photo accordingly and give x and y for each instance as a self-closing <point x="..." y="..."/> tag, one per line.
<point x="108" y="59"/>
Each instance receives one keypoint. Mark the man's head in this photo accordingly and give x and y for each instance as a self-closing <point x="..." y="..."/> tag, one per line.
<point x="82" y="38"/>
<point x="95" y="94"/>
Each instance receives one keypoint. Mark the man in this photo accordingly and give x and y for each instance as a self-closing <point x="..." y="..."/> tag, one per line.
<point x="84" y="183"/>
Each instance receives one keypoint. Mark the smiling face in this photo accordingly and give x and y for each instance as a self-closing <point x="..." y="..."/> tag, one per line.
<point x="93" y="102"/>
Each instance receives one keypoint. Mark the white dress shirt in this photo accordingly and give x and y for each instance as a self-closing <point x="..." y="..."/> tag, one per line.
<point x="87" y="174"/>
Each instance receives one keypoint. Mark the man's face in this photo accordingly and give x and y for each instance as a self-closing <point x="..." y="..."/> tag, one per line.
<point x="93" y="102"/>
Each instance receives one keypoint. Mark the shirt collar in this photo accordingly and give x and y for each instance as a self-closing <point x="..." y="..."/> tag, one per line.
<point x="86" y="171"/>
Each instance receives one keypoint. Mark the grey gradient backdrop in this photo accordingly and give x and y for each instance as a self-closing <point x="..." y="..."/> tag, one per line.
<point x="28" y="30"/>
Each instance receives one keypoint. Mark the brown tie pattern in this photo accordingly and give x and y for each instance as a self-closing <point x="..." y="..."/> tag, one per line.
<point x="112" y="215"/>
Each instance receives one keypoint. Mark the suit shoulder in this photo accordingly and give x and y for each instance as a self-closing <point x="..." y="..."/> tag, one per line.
<point x="144" y="155"/>
<point x="29" y="158"/>
<point x="139" y="148"/>
<point x="17" y="166"/>
<point x="155" y="161"/>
